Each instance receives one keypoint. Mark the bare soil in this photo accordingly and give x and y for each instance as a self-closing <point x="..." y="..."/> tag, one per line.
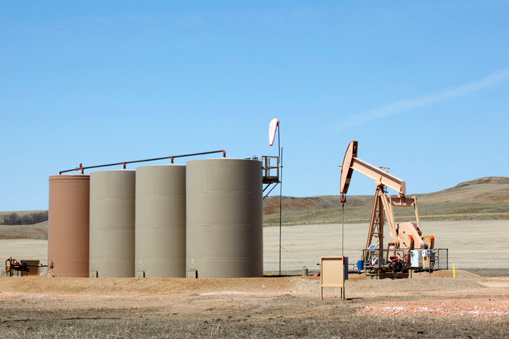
<point x="429" y="305"/>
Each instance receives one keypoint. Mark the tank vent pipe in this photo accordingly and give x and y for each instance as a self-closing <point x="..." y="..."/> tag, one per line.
<point x="123" y="163"/>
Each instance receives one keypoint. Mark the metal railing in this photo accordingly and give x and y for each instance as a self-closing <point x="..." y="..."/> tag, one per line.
<point x="378" y="259"/>
<point x="442" y="259"/>
<point x="269" y="169"/>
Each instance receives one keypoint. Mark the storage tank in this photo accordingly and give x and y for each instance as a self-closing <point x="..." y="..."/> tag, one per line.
<point x="68" y="228"/>
<point x="160" y="239"/>
<point x="112" y="200"/>
<point x="224" y="237"/>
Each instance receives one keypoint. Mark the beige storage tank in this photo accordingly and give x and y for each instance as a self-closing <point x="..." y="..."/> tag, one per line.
<point x="224" y="237"/>
<point x="112" y="200"/>
<point x="160" y="239"/>
<point x="68" y="229"/>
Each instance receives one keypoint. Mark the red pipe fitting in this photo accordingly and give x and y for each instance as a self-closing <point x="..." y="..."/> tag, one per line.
<point x="224" y="153"/>
<point x="342" y="198"/>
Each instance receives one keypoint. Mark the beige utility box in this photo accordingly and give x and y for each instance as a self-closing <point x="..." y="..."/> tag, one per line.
<point x="332" y="274"/>
<point x="32" y="269"/>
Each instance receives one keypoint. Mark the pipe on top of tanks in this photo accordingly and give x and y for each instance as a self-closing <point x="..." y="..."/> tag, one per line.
<point x="124" y="163"/>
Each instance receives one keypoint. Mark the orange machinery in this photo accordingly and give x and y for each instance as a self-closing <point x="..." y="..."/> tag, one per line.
<point x="406" y="236"/>
<point x="22" y="268"/>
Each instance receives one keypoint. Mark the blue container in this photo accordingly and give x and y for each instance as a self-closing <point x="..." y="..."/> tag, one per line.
<point x="360" y="265"/>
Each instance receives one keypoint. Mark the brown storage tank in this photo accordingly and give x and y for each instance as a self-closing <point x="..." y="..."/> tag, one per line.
<point x="160" y="239"/>
<point x="224" y="237"/>
<point x="112" y="210"/>
<point x="68" y="227"/>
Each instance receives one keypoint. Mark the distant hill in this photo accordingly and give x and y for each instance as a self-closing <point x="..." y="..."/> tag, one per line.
<point x="481" y="199"/>
<point x="36" y="231"/>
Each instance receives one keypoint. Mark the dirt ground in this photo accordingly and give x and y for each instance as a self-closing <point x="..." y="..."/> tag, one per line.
<point x="429" y="305"/>
<point x="436" y="305"/>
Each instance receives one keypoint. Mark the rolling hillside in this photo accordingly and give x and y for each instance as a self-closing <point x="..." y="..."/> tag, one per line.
<point x="37" y="231"/>
<point x="480" y="199"/>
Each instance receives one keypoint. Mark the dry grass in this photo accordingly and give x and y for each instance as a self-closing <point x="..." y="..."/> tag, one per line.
<point x="481" y="199"/>
<point x="270" y="307"/>
<point x="37" y="231"/>
<point x="349" y="326"/>
<point x="345" y="323"/>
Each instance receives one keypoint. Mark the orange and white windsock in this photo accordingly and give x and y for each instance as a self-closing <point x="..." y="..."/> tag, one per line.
<point x="274" y="123"/>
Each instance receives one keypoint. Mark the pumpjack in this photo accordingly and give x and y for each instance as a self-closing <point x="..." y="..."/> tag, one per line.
<point x="407" y="239"/>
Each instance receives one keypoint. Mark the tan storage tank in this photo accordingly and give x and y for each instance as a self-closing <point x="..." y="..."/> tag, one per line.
<point x="160" y="239"/>
<point x="224" y="237"/>
<point x="112" y="199"/>
<point x="68" y="229"/>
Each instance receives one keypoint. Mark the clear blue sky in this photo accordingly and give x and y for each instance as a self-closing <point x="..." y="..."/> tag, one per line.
<point x="423" y="87"/>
